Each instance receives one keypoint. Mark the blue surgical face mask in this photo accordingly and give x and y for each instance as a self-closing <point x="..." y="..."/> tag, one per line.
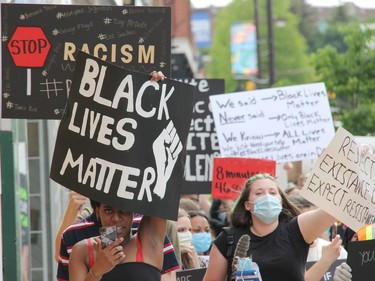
<point x="267" y="208"/>
<point x="222" y="216"/>
<point x="201" y="242"/>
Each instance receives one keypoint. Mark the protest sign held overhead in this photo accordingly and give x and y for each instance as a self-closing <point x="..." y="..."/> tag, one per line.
<point x="40" y="44"/>
<point x="282" y="124"/>
<point x="202" y="144"/>
<point x="342" y="182"/>
<point x="231" y="174"/>
<point x="122" y="140"/>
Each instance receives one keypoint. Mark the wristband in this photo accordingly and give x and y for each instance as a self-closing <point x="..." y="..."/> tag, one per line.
<point x="95" y="276"/>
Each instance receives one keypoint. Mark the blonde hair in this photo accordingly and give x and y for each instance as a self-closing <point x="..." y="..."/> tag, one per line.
<point x="182" y="213"/>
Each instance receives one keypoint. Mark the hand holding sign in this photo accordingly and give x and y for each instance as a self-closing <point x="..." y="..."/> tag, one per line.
<point x="136" y="174"/>
<point x="342" y="181"/>
<point x="331" y="252"/>
<point x="166" y="147"/>
<point x="342" y="273"/>
<point x="365" y="148"/>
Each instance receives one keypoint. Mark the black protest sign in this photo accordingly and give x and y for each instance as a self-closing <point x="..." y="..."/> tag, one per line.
<point x="202" y="144"/>
<point x="361" y="258"/>
<point x="122" y="139"/>
<point x="40" y="44"/>
<point x="330" y="272"/>
<point x="195" y="274"/>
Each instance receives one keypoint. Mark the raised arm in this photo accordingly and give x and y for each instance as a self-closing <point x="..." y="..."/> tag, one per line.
<point x="76" y="202"/>
<point x="330" y="253"/>
<point x="313" y="223"/>
<point x="217" y="267"/>
<point x="151" y="233"/>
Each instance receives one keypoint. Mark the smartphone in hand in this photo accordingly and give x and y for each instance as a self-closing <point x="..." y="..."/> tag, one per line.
<point x="108" y="235"/>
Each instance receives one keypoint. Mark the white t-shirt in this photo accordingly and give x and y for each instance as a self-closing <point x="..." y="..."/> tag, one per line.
<point x="315" y="252"/>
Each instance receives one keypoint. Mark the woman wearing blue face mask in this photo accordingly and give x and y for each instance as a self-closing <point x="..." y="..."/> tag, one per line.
<point x="202" y="238"/>
<point x="280" y="235"/>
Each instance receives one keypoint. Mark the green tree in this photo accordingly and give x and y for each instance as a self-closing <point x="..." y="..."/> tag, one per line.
<point x="330" y="33"/>
<point x="341" y="14"/>
<point x="306" y="20"/>
<point x="291" y="62"/>
<point x="329" y="36"/>
<point x="351" y="76"/>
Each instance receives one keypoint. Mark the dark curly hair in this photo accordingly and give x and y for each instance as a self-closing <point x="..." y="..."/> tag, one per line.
<point x="242" y="217"/>
<point x="94" y="204"/>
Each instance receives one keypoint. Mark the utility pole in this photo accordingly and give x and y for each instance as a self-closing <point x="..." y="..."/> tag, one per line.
<point x="257" y="32"/>
<point x="271" y="49"/>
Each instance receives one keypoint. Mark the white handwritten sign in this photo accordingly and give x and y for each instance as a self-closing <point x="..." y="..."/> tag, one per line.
<point x="342" y="182"/>
<point x="282" y="124"/>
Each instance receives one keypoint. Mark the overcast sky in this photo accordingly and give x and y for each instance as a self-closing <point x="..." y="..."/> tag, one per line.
<point x="360" y="3"/>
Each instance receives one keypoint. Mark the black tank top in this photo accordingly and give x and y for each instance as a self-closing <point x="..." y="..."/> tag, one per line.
<point x="129" y="271"/>
<point x="133" y="271"/>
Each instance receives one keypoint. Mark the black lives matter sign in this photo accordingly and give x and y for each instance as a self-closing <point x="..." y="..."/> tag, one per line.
<point x="122" y="140"/>
<point x="202" y="143"/>
<point x="40" y="44"/>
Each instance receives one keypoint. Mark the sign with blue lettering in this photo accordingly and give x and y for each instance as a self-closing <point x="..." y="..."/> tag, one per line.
<point x="201" y="29"/>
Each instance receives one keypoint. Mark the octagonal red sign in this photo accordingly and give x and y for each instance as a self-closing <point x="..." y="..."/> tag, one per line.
<point x="29" y="46"/>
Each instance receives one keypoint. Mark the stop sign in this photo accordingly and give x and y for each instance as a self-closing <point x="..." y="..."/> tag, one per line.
<point x="29" y="47"/>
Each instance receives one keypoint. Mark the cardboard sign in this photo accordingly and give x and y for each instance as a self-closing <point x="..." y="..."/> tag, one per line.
<point x="328" y="276"/>
<point x="202" y="144"/>
<point x="282" y="124"/>
<point x="40" y="44"/>
<point x="361" y="258"/>
<point x="231" y="174"/>
<point x="342" y="182"/>
<point x="195" y="274"/>
<point x="123" y="138"/>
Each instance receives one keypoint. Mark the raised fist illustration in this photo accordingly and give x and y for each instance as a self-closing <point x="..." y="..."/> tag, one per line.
<point x="166" y="147"/>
